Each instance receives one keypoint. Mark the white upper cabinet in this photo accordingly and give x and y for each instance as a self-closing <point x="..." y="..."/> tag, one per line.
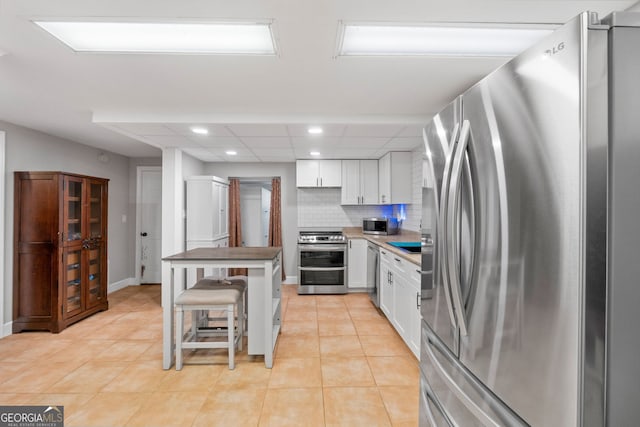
<point x="359" y="182"/>
<point x="395" y="178"/>
<point x="319" y="173"/>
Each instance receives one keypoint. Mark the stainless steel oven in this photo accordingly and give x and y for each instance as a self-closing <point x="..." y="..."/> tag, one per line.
<point x="322" y="263"/>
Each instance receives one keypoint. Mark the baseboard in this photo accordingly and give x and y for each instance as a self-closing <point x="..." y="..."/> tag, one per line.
<point x="7" y="329"/>
<point x="129" y="281"/>
<point x="290" y="280"/>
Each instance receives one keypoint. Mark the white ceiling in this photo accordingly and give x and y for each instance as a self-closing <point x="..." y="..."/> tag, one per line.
<point x="257" y="106"/>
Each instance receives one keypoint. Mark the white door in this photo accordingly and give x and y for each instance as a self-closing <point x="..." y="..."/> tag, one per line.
<point x="150" y="225"/>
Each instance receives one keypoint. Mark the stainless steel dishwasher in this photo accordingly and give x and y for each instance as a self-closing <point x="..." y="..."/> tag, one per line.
<point x="372" y="273"/>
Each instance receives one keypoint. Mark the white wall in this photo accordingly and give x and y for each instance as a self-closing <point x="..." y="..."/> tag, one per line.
<point x="287" y="174"/>
<point x="30" y="150"/>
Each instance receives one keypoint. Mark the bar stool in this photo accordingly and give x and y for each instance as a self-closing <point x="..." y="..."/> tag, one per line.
<point x="211" y="282"/>
<point x="227" y="299"/>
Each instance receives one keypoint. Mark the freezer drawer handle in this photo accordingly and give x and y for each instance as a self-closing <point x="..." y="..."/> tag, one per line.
<point x="506" y="415"/>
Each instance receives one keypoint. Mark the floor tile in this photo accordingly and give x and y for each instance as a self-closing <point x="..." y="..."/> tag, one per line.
<point x="176" y="409"/>
<point x="366" y="313"/>
<point x="124" y="351"/>
<point x="300" y="314"/>
<point x="141" y="377"/>
<point x="244" y="374"/>
<point x="90" y="377"/>
<point x="291" y="373"/>
<point x="340" y="346"/>
<point x="373" y="327"/>
<point x="290" y="406"/>
<point x="354" y="406"/>
<point x="231" y="407"/>
<point x="40" y="378"/>
<point x="107" y="409"/>
<point x="335" y="327"/>
<point x="395" y="370"/>
<point x="333" y="313"/>
<point x="308" y="327"/>
<point x="401" y="403"/>
<point x="384" y="345"/>
<point x="297" y="346"/>
<point x="349" y="371"/>
<point x="191" y="378"/>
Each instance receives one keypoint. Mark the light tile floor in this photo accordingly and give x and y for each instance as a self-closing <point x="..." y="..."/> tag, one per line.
<point x="338" y="362"/>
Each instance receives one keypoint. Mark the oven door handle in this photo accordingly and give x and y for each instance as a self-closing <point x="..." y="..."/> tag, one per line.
<point x="322" y="268"/>
<point x="322" y="248"/>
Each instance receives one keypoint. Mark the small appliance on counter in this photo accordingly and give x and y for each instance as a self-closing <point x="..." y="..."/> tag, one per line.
<point x="383" y="226"/>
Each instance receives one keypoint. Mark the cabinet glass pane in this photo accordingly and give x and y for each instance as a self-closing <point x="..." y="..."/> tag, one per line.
<point x="95" y="276"/>
<point x="74" y="210"/>
<point x="95" y="210"/>
<point x="73" y="281"/>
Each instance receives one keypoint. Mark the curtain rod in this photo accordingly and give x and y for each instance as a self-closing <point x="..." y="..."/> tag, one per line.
<point x="251" y="180"/>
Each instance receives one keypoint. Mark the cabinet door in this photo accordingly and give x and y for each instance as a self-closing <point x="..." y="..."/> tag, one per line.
<point x="96" y="209"/>
<point x="384" y="178"/>
<point x="72" y="282"/>
<point x="307" y="173"/>
<point x="413" y="331"/>
<point x="200" y="205"/>
<point x="401" y="297"/>
<point x="224" y="212"/>
<point x="357" y="264"/>
<point x="96" y="277"/>
<point x="73" y="209"/>
<point x="330" y="173"/>
<point x="386" y="290"/>
<point x="368" y="182"/>
<point x="351" y="182"/>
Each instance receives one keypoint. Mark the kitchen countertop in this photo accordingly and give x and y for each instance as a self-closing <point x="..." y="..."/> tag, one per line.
<point x="403" y="236"/>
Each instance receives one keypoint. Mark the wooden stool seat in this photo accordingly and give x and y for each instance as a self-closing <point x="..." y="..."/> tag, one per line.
<point x="225" y="299"/>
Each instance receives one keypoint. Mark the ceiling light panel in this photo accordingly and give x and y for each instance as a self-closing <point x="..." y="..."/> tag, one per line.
<point x="164" y="37"/>
<point x="438" y="39"/>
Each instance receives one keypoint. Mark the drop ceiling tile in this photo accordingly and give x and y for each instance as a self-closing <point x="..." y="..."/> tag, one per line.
<point x="170" y="141"/>
<point x="272" y="152"/>
<point x="349" y="153"/>
<point x="202" y="154"/>
<point x="277" y="159"/>
<point x="241" y="159"/>
<point x="266" y="129"/>
<point x="316" y="141"/>
<point x="145" y="129"/>
<point x="405" y="144"/>
<point x="364" y="142"/>
<point x="375" y="130"/>
<point x="412" y="131"/>
<point x="327" y="129"/>
<point x="222" y="152"/>
<point x="215" y="142"/>
<point x="266" y="142"/>
<point x="185" y="129"/>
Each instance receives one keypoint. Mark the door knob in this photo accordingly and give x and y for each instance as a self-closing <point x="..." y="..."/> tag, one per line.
<point x="143" y="234"/>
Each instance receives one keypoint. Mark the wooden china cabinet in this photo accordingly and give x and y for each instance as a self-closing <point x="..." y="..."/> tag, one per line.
<point x="60" y="249"/>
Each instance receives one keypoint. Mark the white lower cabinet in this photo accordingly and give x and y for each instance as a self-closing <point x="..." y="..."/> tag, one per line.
<point x="400" y="296"/>
<point x="357" y="261"/>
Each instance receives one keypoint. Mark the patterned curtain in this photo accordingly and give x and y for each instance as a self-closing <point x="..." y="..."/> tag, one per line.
<point x="275" y="219"/>
<point x="235" y="224"/>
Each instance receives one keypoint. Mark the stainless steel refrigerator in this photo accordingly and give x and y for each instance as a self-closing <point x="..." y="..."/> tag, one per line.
<point x="531" y="315"/>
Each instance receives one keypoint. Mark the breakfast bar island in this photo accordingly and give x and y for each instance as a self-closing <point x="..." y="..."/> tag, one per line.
<point x="263" y="294"/>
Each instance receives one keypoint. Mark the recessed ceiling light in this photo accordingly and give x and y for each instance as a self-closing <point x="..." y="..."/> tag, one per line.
<point x="200" y="130"/>
<point x="450" y="39"/>
<point x="315" y="130"/>
<point x="195" y="37"/>
<point x="314" y="153"/>
<point x="231" y="152"/>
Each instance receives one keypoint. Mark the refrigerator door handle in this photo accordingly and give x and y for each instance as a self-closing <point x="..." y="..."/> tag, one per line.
<point x="453" y="203"/>
<point x="442" y="227"/>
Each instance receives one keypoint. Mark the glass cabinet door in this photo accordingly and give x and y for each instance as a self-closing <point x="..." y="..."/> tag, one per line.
<point x="96" y="278"/>
<point x="95" y="210"/>
<point x="73" y="202"/>
<point x="72" y="268"/>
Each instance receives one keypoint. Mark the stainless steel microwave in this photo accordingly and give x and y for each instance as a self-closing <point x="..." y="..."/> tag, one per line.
<point x="380" y="226"/>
